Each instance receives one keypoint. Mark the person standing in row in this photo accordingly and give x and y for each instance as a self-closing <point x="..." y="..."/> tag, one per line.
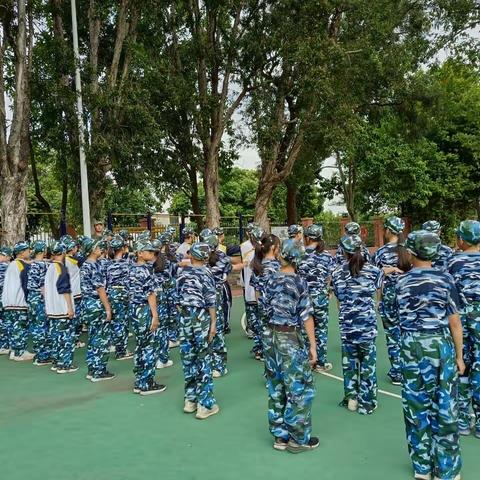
<point x="5" y="257"/>
<point x="317" y="268"/>
<point x="431" y="359"/>
<point x="464" y="266"/>
<point x="355" y="284"/>
<point x="14" y="301"/>
<point x="288" y="360"/>
<point x="444" y="251"/>
<point x="247" y="252"/>
<point x="392" y="259"/>
<point x="188" y="239"/>
<point x="97" y="313"/>
<point x="351" y="228"/>
<point x="264" y="264"/>
<point x="60" y="311"/>
<point x="117" y="291"/>
<point x="144" y="317"/>
<point x="38" y="323"/>
<point x="196" y="297"/>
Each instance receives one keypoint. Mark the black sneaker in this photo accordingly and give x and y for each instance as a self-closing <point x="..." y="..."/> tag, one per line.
<point x="124" y="356"/>
<point x="153" y="388"/>
<point x="42" y="363"/>
<point x="103" y="376"/>
<point x="72" y="368"/>
<point x="294" y="447"/>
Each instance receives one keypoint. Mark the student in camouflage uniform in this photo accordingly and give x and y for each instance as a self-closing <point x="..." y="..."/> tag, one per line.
<point x="144" y="317"/>
<point x="161" y="273"/>
<point x="264" y="264"/>
<point x="97" y="313"/>
<point x="316" y="268"/>
<point x="431" y="358"/>
<point x="188" y="239"/>
<point x="355" y="284"/>
<point x="287" y="359"/>
<point x="14" y="301"/>
<point x="40" y="329"/>
<point x="444" y="252"/>
<point x="464" y="266"/>
<point x="196" y="296"/>
<point x="351" y="228"/>
<point x="5" y="257"/>
<point x="391" y="259"/>
<point x="295" y="232"/>
<point x="117" y="291"/>
<point x="60" y="311"/>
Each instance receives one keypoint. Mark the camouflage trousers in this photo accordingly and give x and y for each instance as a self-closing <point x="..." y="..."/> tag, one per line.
<point x="469" y="387"/>
<point x="162" y="336"/>
<point x="359" y="362"/>
<point x="78" y="320"/>
<point x="290" y="385"/>
<point x="219" y="348"/>
<point x="252" y="310"/>
<point x="17" y="324"/>
<point x="172" y="315"/>
<point x="39" y="325"/>
<point x="144" y="356"/>
<point x="430" y="403"/>
<point x="391" y="325"/>
<point x="196" y="358"/>
<point x="63" y="340"/>
<point x="99" y="335"/>
<point x="320" y="319"/>
<point x="119" y="304"/>
<point x="5" y="328"/>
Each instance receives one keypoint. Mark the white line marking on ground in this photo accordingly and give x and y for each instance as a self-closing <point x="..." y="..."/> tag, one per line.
<point x="340" y="379"/>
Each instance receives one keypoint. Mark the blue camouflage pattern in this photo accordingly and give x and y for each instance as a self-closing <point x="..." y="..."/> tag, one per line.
<point x="4" y="327"/>
<point x="290" y="385"/>
<point x="91" y="278"/>
<point x="63" y="342"/>
<point x="444" y="254"/>
<point x="196" y="356"/>
<point x="316" y="268"/>
<point x="17" y="328"/>
<point x="387" y="256"/>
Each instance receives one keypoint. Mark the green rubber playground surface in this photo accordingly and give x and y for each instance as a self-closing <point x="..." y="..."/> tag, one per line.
<point x="62" y="427"/>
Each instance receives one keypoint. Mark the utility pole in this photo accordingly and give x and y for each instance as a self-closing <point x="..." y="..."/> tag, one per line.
<point x="87" y="230"/>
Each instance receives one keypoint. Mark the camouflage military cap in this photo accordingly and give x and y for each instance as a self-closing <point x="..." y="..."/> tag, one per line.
<point x="394" y="224"/>
<point x="206" y="232"/>
<point x="218" y="231"/>
<point x="117" y="242"/>
<point x="57" y="248"/>
<point x="292" y="250"/>
<point x="80" y="239"/>
<point x="6" y="251"/>
<point x="144" y="246"/>
<point x="250" y="226"/>
<point x="200" y="251"/>
<point x="69" y="244"/>
<point x="171" y="229"/>
<point x="165" y="238"/>
<point x="108" y="233"/>
<point x="157" y="244"/>
<point x="211" y="241"/>
<point x="257" y="233"/>
<point x="65" y="238"/>
<point x="188" y="231"/>
<point x="352" y="228"/>
<point x="89" y="245"/>
<point x="294" y="230"/>
<point x="469" y="231"/>
<point x="423" y="244"/>
<point x="145" y="235"/>
<point x="350" y="243"/>
<point x="125" y="234"/>
<point x="315" y="232"/>
<point x="38" y="246"/>
<point x="20" y="247"/>
<point x="98" y="222"/>
<point x="432" y="226"/>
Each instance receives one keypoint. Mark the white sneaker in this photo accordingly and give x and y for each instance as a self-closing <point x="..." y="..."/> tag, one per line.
<point x="4" y="351"/>
<point x="458" y="477"/>
<point x="352" y="405"/>
<point x="112" y="349"/>
<point x="217" y="374"/>
<point x="189" y="407"/>
<point x="323" y="368"/>
<point x="24" y="357"/>
<point x="203" y="413"/>
<point x="159" y="364"/>
<point x="420" y="476"/>
<point x="173" y="344"/>
<point x="79" y="344"/>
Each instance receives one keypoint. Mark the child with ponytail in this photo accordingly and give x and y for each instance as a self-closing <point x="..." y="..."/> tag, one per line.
<point x="355" y="283"/>
<point x="264" y="264"/>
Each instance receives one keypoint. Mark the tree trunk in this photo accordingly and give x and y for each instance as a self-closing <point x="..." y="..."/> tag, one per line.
<point x="262" y="202"/>
<point x="292" y="191"/>
<point x="14" y="208"/>
<point x="211" y="186"/>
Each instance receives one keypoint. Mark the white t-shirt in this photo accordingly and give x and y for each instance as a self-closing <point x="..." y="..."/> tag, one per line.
<point x="248" y="252"/>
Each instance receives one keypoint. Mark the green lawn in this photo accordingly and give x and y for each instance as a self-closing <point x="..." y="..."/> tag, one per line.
<point x="62" y="427"/>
